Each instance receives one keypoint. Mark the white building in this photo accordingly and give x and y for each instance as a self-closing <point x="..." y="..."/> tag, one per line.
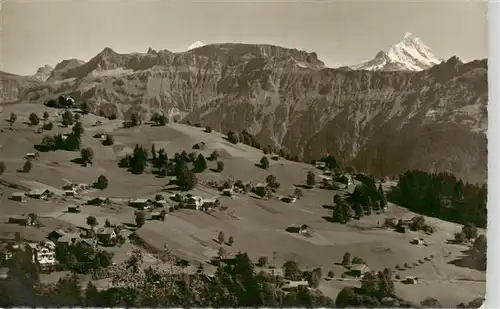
<point x="44" y="253"/>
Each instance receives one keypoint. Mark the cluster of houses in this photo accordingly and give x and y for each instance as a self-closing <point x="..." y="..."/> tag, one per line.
<point x="189" y="201"/>
<point x="70" y="190"/>
<point x="41" y="194"/>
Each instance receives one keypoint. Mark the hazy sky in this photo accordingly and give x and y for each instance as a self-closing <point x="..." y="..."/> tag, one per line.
<point x="341" y="33"/>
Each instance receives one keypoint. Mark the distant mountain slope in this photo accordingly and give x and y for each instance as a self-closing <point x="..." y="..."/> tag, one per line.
<point x="410" y="54"/>
<point x="380" y="122"/>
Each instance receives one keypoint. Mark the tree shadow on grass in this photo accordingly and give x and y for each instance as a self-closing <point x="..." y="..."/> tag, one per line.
<point x="303" y="186"/>
<point x="329" y="219"/>
<point x="42" y="148"/>
<point x="77" y="161"/>
<point x="329" y="207"/>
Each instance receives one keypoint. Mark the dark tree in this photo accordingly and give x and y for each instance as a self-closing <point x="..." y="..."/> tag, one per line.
<point x="200" y="164"/>
<point x="34" y="120"/>
<point x="346" y="260"/>
<point x="220" y="166"/>
<point x="46" y="115"/>
<point x="264" y="162"/>
<point x="232" y="137"/>
<point x="3" y="167"/>
<point x="140" y="218"/>
<point x="311" y="179"/>
<point x="27" y="166"/>
<point x="78" y="129"/>
<point x="67" y="118"/>
<point x="102" y="182"/>
<point x="87" y="154"/>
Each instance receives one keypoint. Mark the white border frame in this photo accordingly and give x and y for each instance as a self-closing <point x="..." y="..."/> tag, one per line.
<point x="493" y="228"/>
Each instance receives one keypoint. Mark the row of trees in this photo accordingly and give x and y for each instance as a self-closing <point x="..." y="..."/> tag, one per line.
<point x="443" y="196"/>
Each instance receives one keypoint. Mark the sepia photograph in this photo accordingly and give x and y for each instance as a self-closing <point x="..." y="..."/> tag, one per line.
<point x="244" y="153"/>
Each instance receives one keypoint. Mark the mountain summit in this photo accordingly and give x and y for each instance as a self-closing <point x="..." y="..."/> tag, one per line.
<point x="196" y="45"/>
<point x="410" y="54"/>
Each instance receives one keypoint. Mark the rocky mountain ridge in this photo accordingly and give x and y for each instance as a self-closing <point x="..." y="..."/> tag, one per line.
<point x="409" y="54"/>
<point x="380" y="122"/>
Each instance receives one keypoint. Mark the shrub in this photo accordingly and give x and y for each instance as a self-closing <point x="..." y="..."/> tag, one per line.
<point x="264" y="162"/>
<point x="208" y="129"/>
<point x="220" y="237"/>
<point x="46" y="115"/>
<point x="346" y="259"/>
<point x="331" y="274"/>
<point x="220" y="166"/>
<point x="34" y="120"/>
<point x="48" y="126"/>
<point x="262" y="261"/>
<point x="27" y="166"/>
<point x="102" y="183"/>
<point x="3" y="167"/>
<point x="230" y="241"/>
<point x="232" y="137"/>
<point x="110" y="140"/>
<point x="140" y="218"/>
<point x="87" y="154"/>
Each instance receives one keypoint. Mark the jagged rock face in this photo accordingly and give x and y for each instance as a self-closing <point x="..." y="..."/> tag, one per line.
<point x="380" y="122"/>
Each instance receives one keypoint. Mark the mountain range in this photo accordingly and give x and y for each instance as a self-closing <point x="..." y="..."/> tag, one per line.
<point x="377" y="119"/>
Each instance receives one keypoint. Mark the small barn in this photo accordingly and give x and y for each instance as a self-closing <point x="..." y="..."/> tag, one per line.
<point x="74" y="209"/>
<point x="18" y="197"/>
<point x="359" y="270"/>
<point x="140" y="203"/>
<point x="99" y="201"/>
<point x="41" y="194"/>
<point x="69" y="193"/>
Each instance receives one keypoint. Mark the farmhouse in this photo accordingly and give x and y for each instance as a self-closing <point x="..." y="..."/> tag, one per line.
<point x="320" y="165"/>
<point x="22" y="220"/>
<point x="210" y="203"/>
<point x="193" y="202"/>
<point x="69" y="193"/>
<point x="42" y="194"/>
<point x="359" y="270"/>
<point x="292" y="284"/>
<point x="304" y="229"/>
<point x="228" y="192"/>
<point x="32" y="155"/>
<point x="141" y="203"/>
<point x="44" y="253"/>
<point x="70" y="186"/>
<point x="410" y="280"/>
<point x="74" y="209"/>
<point x="275" y="157"/>
<point x="56" y="234"/>
<point x="289" y="199"/>
<point x="105" y="234"/>
<point x="18" y="197"/>
<point x="156" y="215"/>
<point x="417" y="241"/>
<point x="99" y="201"/>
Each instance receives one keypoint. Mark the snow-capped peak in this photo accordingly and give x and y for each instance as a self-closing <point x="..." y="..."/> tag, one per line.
<point x="410" y="54"/>
<point x="195" y="45"/>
